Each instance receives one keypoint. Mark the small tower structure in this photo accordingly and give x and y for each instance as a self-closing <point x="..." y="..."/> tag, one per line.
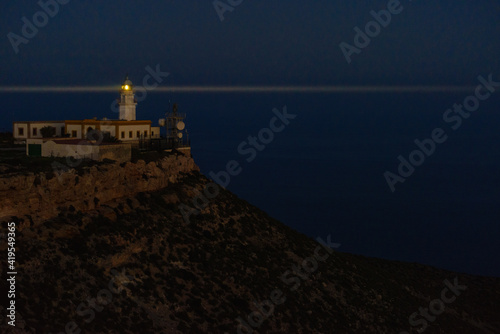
<point x="177" y="135"/>
<point x="127" y="103"/>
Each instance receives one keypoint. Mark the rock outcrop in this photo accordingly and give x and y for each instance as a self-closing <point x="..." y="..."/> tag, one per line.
<point x="40" y="196"/>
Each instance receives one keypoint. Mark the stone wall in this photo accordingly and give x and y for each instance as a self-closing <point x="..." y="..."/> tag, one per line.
<point x="117" y="152"/>
<point x="80" y="148"/>
<point x="43" y="196"/>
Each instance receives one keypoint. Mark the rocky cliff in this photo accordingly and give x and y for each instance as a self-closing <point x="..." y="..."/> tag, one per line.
<point x="43" y="195"/>
<point x="131" y="264"/>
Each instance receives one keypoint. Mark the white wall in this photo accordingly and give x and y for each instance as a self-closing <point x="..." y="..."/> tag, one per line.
<point x="155" y="132"/>
<point x="75" y="127"/>
<point x="16" y="128"/>
<point x="59" y="126"/>
<point x="51" y="149"/>
<point x="127" y="106"/>
<point x="109" y="128"/>
<point x="39" y="125"/>
<point x="134" y="129"/>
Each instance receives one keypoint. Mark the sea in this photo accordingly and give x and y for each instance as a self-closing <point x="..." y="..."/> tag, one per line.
<point x="323" y="173"/>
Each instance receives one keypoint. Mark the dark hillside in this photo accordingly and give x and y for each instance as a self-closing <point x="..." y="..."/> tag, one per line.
<point x="135" y="266"/>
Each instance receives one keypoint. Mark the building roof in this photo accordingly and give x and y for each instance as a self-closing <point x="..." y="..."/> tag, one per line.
<point x="38" y="122"/>
<point x="79" y="142"/>
<point x="109" y="121"/>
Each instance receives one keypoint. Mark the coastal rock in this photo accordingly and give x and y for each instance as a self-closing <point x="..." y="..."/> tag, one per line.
<point x="42" y="195"/>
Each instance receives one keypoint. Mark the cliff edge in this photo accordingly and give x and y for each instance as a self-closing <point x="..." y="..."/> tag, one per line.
<point x="42" y="195"/>
<point x="132" y="264"/>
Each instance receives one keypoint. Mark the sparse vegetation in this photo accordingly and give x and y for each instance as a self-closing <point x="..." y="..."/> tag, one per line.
<point x="48" y="131"/>
<point x="204" y="275"/>
<point x="7" y="140"/>
<point x="18" y="162"/>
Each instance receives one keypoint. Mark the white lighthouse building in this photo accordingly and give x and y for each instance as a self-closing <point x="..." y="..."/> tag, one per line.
<point x="126" y="128"/>
<point x="127" y="101"/>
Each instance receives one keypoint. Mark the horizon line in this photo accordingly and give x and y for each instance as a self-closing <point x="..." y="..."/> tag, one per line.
<point x="241" y="89"/>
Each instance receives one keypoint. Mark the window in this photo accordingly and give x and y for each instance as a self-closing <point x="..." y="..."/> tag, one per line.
<point x="35" y="131"/>
<point x="62" y="131"/>
<point x="130" y="134"/>
<point x="73" y="133"/>
<point x="146" y="134"/>
<point x="123" y="134"/>
<point x="20" y="131"/>
<point x="152" y="133"/>
<point x="138" y="134"/>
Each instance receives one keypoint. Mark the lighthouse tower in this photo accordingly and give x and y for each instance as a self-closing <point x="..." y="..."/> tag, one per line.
<point x="127" y="101"/>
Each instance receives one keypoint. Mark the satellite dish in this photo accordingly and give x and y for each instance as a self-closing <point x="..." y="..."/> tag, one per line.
<point x="181" y="126"/>
<point x="179" y="135"/>
<point x="161" y="121"/>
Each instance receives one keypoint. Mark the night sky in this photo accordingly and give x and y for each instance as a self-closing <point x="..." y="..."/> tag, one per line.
<point x="324" y="174"/>
<point x="258" y="43"/>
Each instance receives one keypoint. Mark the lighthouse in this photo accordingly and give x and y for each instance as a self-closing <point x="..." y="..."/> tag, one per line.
<point x="127" y="101"/>
<point x="127" y="128"/>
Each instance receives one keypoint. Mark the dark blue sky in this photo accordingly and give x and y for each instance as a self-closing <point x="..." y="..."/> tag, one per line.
<point x="260" y="42"/>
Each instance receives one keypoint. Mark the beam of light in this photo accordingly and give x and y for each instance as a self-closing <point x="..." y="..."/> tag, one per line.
<point x="242" y="89"/>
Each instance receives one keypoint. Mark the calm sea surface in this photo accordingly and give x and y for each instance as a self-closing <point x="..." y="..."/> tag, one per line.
<point x="323" y="174"/>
